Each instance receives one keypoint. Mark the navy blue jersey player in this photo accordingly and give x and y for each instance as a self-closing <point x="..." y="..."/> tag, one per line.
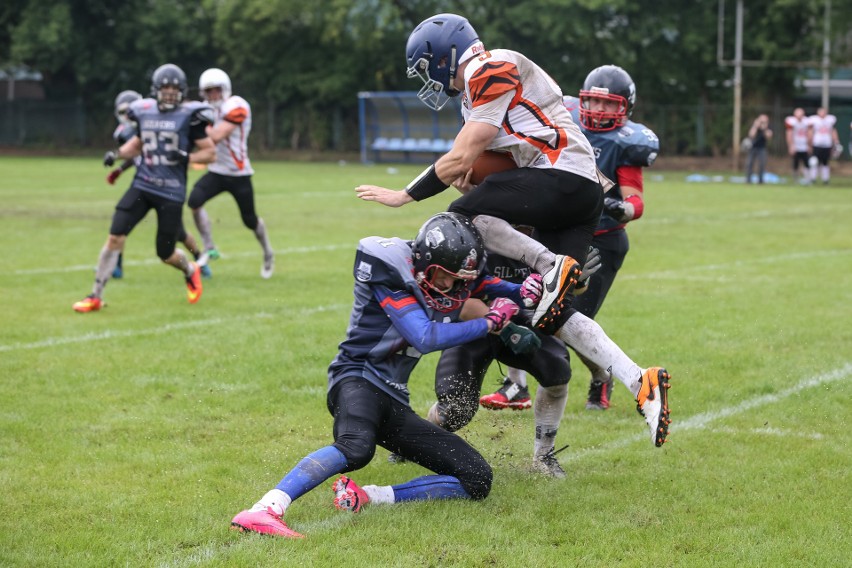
<point x="410" y="298"/>
<point x="622" y="148"/>
<point x="124" y="131"/>
<point x="170" y="134"/>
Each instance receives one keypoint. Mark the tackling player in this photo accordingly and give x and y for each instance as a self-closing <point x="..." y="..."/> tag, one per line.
<point x="232" y="169"/>
<point x="622" y="148"/>
<point x="409" y="298"/>
<point x="512" y="104"/>
<point x="167" y="129"/>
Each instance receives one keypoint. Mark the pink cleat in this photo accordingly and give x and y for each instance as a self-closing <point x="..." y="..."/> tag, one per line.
<point x="348" y="496"/>
<point x="263" y="522"/>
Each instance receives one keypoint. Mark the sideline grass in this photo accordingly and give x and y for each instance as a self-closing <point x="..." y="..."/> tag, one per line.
<point x="132" y="436"/>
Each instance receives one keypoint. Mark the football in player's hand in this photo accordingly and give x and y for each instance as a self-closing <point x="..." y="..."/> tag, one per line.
<point x="491" y="162"/>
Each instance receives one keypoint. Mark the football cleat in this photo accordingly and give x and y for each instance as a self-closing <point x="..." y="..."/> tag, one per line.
<point x="558" y="284"/>
<point x="193" y="284"/>
<point x="268" y="266"/>
<point x="207" y="256"/>
<point x="348" y="496"/>
<point x="90" y="303"/>
<point x="263" y="522"/>
<point x="547" y="464"/>
<point x="510" y="395"/>
<point x="205" y="271"/>
<point x="599" y="394"/>
<point x="652" y="402"/>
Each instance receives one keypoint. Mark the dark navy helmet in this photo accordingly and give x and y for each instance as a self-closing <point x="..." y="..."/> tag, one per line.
<point x="435" y="49"/>
<point x="122" y="103"/>
<point x="449" y="242"/>
<point x="169" y="75"/>
<point x="612" y="83"/>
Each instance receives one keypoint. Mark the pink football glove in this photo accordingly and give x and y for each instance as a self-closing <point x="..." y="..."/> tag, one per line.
<point x="500" y="312"/>
<point x="531" y="290"/>
<point x="113" y="175"/>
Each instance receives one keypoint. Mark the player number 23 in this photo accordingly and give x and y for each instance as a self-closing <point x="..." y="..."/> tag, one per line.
<point x="155" y="144"/>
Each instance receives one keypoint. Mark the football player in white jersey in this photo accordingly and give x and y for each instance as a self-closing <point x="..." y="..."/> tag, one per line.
<point x="798" y="129"/>
<point x="511" y="104"/>
<point x="824" y="139"/>
<point x="232" y="169"/>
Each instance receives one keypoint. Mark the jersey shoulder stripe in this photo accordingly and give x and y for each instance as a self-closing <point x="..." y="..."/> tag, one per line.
<point x="493" y="80"/>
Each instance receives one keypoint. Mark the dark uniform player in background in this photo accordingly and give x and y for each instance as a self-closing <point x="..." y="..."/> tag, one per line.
<point x="622" y="148"/>
<point x="124" y="131"/>
<point x="409" y="298"/>
<point x="168" y="129"/>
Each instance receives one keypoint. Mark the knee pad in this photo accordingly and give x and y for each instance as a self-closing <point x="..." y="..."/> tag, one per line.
<point x="358" y="452"/>
<point x="250" y="221"/>
<point x="477" y="482"/>
<point x="454" y="414"/>
<point x="165" y="247"/>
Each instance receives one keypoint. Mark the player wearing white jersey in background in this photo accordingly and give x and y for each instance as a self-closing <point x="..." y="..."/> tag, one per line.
<point x="511" y="103"/>
<point x="798" y="129"/>
<point x="232" y="169"/>
<point x="824" y="139"/>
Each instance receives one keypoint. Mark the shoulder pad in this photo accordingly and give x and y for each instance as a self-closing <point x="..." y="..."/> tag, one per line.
<point x="142" y="105"/>
<point x="201" y="112"/>
<point x="384" y="261"/>
<point x="640" y="146"/>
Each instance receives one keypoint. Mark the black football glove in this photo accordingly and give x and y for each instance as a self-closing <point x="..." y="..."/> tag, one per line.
<point x="110" y="158"/>
<point x="621" y="211"/>
<point x="177" y="156"/>
<point x="521" y="340"/>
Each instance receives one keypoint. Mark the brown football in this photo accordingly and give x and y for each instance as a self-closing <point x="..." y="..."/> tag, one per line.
<point x="491" y="162"/>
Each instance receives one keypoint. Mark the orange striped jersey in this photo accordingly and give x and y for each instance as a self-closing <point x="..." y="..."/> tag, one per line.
<point x="505" y="89"/>
<point x="232" y="152"/>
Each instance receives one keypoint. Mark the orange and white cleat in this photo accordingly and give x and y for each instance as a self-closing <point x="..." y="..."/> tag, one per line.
<point x="263" y="522"/>
<point x="90" y="303"/>
<point x="652" y="402"/>
<point x="558" y="284"/>
<point x="193" y="285"/>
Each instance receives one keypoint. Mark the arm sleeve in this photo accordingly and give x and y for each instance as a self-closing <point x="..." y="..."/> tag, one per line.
<point x="425" y="335"/>
<point x="494" y="287"/>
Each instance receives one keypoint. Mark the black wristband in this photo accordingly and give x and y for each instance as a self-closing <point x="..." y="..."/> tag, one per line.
<point x="426" y="185"/>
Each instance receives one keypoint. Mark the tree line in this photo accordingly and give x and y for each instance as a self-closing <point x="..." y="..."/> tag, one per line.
<point x="302" y="63"/>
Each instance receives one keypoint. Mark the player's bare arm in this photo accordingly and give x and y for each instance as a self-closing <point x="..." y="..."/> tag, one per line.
<point x="469" y="144"/>
<point x="221" y="131"/>
<point x="204" y="153"/>
<point x="130" y="149"/>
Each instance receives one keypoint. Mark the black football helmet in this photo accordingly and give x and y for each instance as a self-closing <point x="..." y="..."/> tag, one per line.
<point x="122" y="103"/>
<point x="434" y="51"/>
<point x="612" y="83"/>
<point x="168" y="75"/>
<point x="450" y="242"/>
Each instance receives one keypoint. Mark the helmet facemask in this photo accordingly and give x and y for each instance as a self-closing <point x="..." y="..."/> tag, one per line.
<point x="447" y="299"/>
<point x="432" y="94"/>
<point x="169" y="97"/>
<point x="598" y="120"/>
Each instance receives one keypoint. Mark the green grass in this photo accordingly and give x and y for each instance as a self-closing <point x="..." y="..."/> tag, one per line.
<point x="130" y="437"/>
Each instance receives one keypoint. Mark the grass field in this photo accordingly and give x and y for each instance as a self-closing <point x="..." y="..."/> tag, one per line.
<point x="130" y="437"/>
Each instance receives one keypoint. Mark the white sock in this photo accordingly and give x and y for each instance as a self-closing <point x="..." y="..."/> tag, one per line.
<point x="501" y="238"/>
<point x="107" y="261"/>
<point x="588" y="339"/>
<point x="517" y="376"/>
<point x="548" y="409"/>
<point x="379" y="494"/>
<point x="276" y="499"/>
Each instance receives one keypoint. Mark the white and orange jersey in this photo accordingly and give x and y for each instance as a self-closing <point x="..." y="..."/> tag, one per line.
<point x="799" y="128"/>
<point x="823" y="135"/>
<point x="505" y="89"/>
<point x="232" y="152"/>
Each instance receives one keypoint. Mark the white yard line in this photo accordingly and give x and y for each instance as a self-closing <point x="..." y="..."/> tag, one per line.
<point x="168" y="328"/>
<point x="704" y="420"/>
<point x="152" y="261"/>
